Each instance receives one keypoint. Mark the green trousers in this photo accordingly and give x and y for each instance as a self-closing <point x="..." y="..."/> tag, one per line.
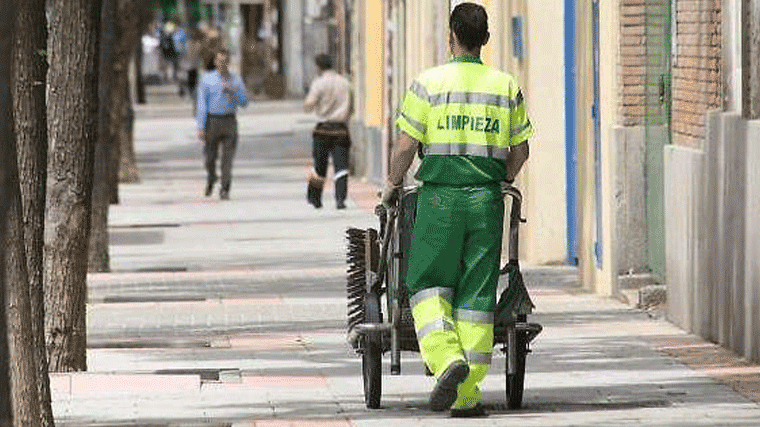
<point x="452" y="277"/>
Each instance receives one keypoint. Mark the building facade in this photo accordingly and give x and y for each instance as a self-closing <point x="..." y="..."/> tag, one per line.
<point x="395" y="40"/>
<point x="640" y="171"/>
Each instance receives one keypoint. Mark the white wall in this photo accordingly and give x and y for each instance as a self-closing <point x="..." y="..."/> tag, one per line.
<point x="684" y="231"/>
<point x="752" y="249"/>
<point x="543" y="178"/>
<point x="713" y="236"/>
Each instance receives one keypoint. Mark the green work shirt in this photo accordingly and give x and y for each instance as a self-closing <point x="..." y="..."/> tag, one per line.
<point x="466" y="116"/>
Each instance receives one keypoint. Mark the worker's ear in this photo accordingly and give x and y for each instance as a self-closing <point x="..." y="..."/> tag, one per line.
<point x="488" y="36"/>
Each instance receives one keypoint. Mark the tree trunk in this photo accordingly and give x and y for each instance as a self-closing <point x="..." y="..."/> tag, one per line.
<point x="139" y="82"/>
<point x="72" y="132"/>
<point x="134" y="17"/>
<point x="30" y="74"/>
<point x="128" y="172"/>
<point x="101" y="185"/>
<point x="26" y="402"/>
<point x="6" y="141"/>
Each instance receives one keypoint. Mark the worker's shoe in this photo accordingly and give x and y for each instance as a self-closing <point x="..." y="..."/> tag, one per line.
<point x="444" y="393"/>
<point x="477" y="411"/>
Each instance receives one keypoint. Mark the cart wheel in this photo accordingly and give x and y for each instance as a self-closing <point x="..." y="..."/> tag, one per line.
<point x="516" y="381"/>
<point x="372" y="354"/>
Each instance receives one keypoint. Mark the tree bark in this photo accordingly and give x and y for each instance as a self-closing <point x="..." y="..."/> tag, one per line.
<point x="6" y="141"/>
<point x="72" y="132"/>
<point x="101" y="185"/>
<point x="750" y="50"/>
<point x="29" y="76"/>
<point x="133" y="18"/>
<point x="26" y="402"/>
<point x="139" y="82"/>
<point x="128" y="172"/>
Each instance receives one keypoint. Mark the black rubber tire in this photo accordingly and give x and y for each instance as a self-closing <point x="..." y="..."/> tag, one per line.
<point x="516" y="382"/>
<point x="372" y="353"/>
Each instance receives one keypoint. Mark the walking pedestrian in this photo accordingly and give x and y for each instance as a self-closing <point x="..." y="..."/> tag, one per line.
<point x="168" y="51"/>
<point x="220" y="93"/>
<point x="330" y="96"/>
<point x="471" y="124"/>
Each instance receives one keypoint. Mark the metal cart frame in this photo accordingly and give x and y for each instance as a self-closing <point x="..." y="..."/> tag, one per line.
<point x="377" y="268"/>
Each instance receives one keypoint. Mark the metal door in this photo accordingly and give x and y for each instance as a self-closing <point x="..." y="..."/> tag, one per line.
<point x="657" y="125"/>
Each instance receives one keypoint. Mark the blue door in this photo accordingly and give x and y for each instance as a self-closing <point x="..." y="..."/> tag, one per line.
<point x="571" y="136"/>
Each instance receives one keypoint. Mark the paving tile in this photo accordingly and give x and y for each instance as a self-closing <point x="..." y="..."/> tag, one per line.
<point x="268" y="342"/>
<point x="287" y="381"/>
<point x="300" y="423"/>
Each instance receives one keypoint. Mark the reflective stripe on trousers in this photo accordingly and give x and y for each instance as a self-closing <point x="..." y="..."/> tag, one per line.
<point x="475" y="332"/>
<point x="452" y="277"/>
<point x="436" y="334"/>
<point x="446" y="335"/>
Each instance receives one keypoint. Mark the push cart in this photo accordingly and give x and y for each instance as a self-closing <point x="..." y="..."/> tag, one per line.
<point x="379" y="315"/>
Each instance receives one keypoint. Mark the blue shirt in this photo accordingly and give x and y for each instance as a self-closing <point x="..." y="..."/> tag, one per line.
<point x="179" y="37"/>
<point x="212" y="99"/>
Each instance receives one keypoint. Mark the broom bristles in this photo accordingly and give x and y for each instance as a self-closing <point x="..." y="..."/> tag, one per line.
<point x="355" y="275"/>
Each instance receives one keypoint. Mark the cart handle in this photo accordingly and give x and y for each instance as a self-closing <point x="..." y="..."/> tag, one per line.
<point x="515" y="219"/>
<point x="388" y="225"/>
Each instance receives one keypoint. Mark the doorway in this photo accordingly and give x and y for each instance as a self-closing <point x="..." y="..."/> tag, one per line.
<point x="657" y="126"/>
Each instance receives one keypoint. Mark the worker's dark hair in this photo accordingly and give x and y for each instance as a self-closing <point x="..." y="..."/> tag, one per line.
<point x="324" y="62"/>
<point x="469" y="22"/>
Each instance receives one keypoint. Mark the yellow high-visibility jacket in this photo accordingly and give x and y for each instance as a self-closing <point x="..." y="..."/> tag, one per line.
<point x="466" y="115"/>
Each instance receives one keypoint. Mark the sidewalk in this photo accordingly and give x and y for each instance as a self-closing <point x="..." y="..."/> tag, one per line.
<point x="232" y="313"/>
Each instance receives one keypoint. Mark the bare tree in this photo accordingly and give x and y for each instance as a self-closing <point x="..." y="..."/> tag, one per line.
<point x="26" y="402"/>
<point x="133" y="19"/>
<point x="6" y="141"/>
<point x="30" y="119"/>
<point x="72" y="133"/>
<point x="104" y="149"/>
<point x="123" y="22"/>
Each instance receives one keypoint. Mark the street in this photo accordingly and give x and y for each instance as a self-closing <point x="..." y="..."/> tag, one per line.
<point x="232" y="313"/>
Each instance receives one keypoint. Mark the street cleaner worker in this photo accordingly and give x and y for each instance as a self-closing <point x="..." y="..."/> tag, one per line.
<point x="470" y="123"/>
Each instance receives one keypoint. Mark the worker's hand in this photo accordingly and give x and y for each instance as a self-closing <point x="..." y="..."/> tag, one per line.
<point x="389" y="196"/>
<point x="506" y="185"/>
<point x="201" y="135"/>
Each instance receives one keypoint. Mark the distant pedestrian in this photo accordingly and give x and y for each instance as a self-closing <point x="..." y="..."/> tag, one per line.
<point x="220" y="93"/>
<point x="168" y="51"/>
<point x="330" y="96"/>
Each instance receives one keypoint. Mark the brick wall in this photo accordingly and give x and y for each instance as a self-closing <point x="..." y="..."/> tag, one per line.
<point x="633" y="61"/>
<point x="696" y="69"/>
<point x="696" y="73"/>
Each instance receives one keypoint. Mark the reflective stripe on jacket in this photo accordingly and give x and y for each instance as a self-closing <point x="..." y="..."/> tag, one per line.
<point x="465" y="108"/>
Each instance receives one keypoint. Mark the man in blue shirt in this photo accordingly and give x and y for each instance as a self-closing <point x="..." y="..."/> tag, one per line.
<point x="220" y="93"/>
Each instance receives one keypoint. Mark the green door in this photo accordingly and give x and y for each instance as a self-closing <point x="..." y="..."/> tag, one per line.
<point x="657" y="125"/>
